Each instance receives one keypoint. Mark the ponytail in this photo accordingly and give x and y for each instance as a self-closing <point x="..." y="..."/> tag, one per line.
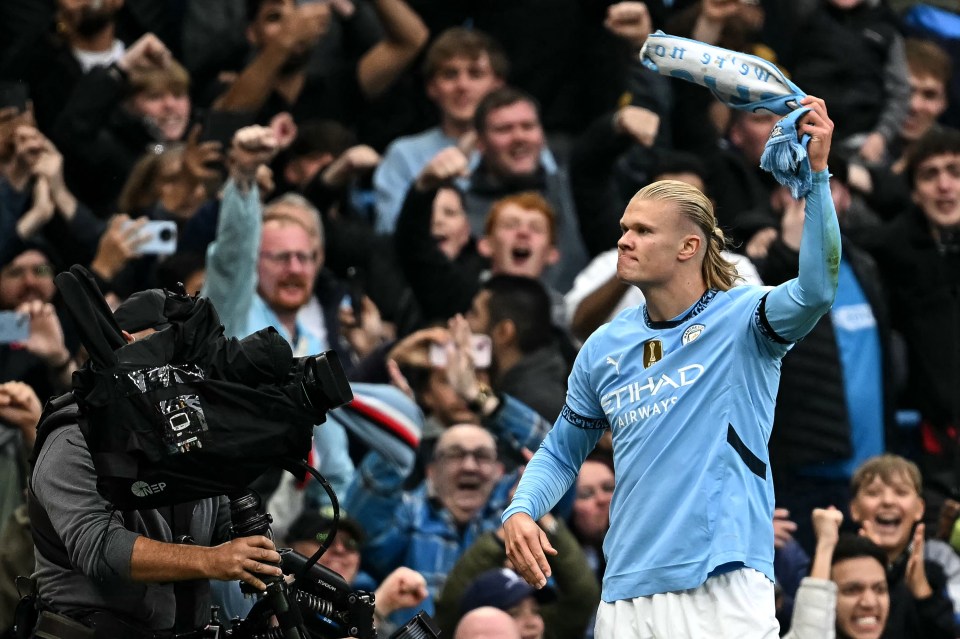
<point x="718" y="272"/>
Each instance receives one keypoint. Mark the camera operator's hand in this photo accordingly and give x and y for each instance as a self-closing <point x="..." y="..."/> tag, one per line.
<point x="20" y="407"/>
<point x="403" y="588"/>
<point x="252" y="146"/>
<point x="243" y="559"/>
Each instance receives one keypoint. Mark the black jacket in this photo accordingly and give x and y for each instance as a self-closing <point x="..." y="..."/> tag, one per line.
<point x="923" y="283"/>
<point x="441" y="286"/>
<point x="911" y="618"/>
<point x="811" y="421"/>
<point x="100" y="140"/>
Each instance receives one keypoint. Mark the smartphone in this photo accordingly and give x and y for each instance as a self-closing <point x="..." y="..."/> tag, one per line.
<point x="14" y="327"/>
<point x="14" y="94"/>
<point x="161" y="238"/>
<point x="480" y="349"/>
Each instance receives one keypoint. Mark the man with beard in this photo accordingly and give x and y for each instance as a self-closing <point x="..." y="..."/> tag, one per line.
<point x="84" y="36"/>
<point x="269" y="289"/>
<point x="284" y="36"/>
<point x="261" y="271"/>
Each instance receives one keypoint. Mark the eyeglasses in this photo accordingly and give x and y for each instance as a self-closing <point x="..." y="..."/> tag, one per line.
<point x="483" y="456"/>
<point x="41" y="271"/>
<point x="285" y="257"/>
<point x="349" y="543"/>
<point x="589" y="492"/>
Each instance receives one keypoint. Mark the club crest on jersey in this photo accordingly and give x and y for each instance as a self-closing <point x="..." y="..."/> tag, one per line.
<point x="652" y="352"/>
<point x="692" y="333"/>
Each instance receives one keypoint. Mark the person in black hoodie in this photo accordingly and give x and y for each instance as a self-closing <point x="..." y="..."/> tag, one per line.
<point x="835" y="402"/>
<point x="919" y="258"/>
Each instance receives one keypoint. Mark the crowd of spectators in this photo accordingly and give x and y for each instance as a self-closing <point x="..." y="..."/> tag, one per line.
<point x="433" y="191"/>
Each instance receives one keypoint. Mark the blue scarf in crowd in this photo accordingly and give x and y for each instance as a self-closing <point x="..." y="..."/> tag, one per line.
<point x="745" y="82"/>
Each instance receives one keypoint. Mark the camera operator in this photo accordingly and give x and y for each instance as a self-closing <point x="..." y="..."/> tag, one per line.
<point x="104" y="573"/>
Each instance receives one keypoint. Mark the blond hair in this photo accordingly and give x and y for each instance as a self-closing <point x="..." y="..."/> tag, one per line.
<point x="717" y="271"/>
<point x="173" y="78"/>
<point x="888" y="468"/>
<point x="293" y="207"/>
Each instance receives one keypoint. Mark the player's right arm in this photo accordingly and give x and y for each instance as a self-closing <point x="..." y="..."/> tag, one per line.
<point x="551" y="472"/>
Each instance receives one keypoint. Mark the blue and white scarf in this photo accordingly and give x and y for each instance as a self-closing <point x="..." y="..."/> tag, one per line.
<point x="745" y="82"/>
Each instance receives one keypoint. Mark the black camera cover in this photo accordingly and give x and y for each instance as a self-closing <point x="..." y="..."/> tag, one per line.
<point x="186" y="413"/>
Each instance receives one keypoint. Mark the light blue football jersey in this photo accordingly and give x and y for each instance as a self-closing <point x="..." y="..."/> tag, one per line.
<point x="690" y="402"/>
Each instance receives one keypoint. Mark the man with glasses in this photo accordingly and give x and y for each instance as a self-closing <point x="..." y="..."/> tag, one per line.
<point x="263" y="264"/>
<point x="261" y="271"/>
<point x="429" y="528"/>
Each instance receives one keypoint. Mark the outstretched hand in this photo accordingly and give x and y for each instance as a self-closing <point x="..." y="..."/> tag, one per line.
<point x="527" y="549"/>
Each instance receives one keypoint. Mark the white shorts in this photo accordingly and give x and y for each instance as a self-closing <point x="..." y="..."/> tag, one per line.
<point x="735" y="605"/>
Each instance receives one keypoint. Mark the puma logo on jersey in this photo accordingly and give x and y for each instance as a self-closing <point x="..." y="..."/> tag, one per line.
<point x="615" y="363"/>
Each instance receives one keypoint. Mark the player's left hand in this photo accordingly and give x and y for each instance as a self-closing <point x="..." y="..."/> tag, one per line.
<point x="819" y="126"/>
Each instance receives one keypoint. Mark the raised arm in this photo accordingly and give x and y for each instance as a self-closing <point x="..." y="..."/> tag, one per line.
<point x="814" y="613"/>
<point x="793" y="308"/>
<point x="405" y="34"/>
<point x="231" y="280"/>
<point x="300" y="28"/>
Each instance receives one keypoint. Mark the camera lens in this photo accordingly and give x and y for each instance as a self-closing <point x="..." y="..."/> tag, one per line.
<point x="322" y="381"/>
<point x="165" y="234"/>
